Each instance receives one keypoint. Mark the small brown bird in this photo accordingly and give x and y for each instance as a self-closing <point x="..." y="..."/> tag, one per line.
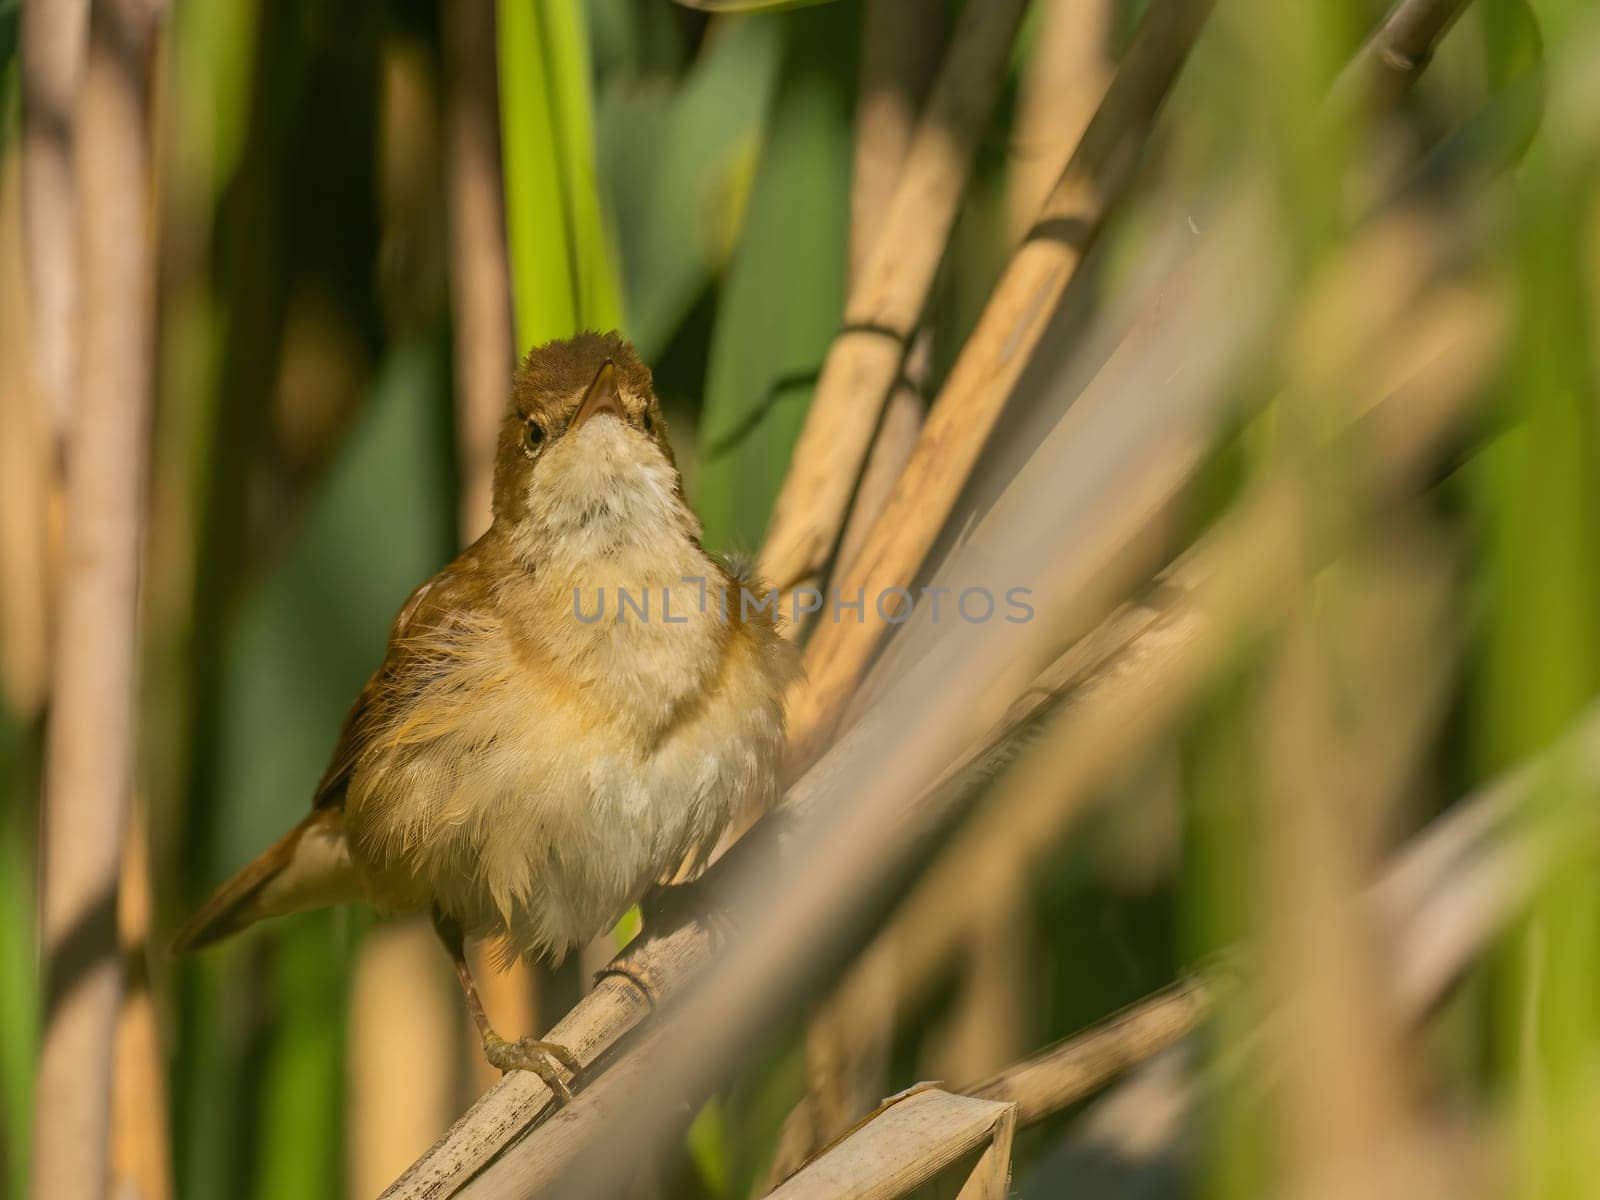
<point x="529" y="759"/>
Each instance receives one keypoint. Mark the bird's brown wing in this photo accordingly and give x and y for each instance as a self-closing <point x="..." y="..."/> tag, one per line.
<point x="310" y="867"/>
<point x="459" y="586"/>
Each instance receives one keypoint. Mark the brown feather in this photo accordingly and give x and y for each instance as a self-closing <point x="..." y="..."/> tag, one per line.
<point x="294" y="868"/>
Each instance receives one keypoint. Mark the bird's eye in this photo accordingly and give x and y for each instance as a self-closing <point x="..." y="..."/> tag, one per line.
<point x="649" y="423"/>
<point x="532" y="436"/>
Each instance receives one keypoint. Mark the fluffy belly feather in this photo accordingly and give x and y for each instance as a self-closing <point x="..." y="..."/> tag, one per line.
<point x="549" y="805"/>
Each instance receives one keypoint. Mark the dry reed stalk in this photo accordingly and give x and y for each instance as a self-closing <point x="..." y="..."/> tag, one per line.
<point x="1164" y="643"/>
<point x="868" y="987"/>
<point x="887" y="299"/>
<point x="480" y="284"/>
<point x="899" y="53"/>
<point x="1047" y="1083"/>
<point x="1053" y="1080"/>
<point x="899" y="49"/>
<point x="1345" y="1108"/>
<point x="847" y="1049"/>
<point x="898" y="56"/>
<point x="847" y="1044"/>
<point x="139" y="1139"/>
<point x="984" y="1026"/>
<point x="1448" y="340"/>
<point x="402" y="1057"/>
<point x="892" y="447"/>
<point x="1142" y="646"/>
<point x="1153" y="652"/>
<point x="1066" y="80"/>
<point x="1349" y="701"/>
<point x="617" y="1005"/>
<point x="53" y="41"/>
<point x="797" y="1142"/>
<point x="911" y="1141"/>
<point x="30" y="495"/>
<point x="1398" y="51"/>
<point x="966" y="412"/>
<point x="864" y="1003"/>
<point x="1016" y="316"/>
<point x="90" y="746"/>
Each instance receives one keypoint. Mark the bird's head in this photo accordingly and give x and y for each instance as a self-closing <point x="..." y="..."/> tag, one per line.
<point x="583" y="460"/>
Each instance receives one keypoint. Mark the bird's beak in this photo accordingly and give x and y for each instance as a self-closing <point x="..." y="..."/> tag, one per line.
<point x="602" y="397"/>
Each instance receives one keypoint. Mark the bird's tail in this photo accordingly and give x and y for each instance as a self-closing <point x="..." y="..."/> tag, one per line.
<point x="309" y="867"/>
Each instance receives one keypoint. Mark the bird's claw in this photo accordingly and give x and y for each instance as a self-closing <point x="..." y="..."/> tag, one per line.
<point x="544" y="1059"/>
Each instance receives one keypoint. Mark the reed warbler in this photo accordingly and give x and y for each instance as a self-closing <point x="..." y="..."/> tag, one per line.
<point x="518" y="766"/>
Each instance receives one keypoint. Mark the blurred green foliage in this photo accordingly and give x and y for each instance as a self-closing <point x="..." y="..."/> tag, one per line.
<point x="678" y="154"/>
<point x="783" y="296"/>
<point x="562" y="277"/>
<point x="1538" y="486"/>
<point x="18" y="965"/>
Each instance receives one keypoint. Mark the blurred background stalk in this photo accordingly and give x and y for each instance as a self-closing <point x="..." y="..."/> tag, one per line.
<point x="480" y="285"/>
<point x="93" y="733"/>
<point x="1538" y="489"/>
<point x="54" y="42"/>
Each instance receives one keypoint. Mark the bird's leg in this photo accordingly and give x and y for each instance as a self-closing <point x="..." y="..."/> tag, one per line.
<point x="527" y="1054"/>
